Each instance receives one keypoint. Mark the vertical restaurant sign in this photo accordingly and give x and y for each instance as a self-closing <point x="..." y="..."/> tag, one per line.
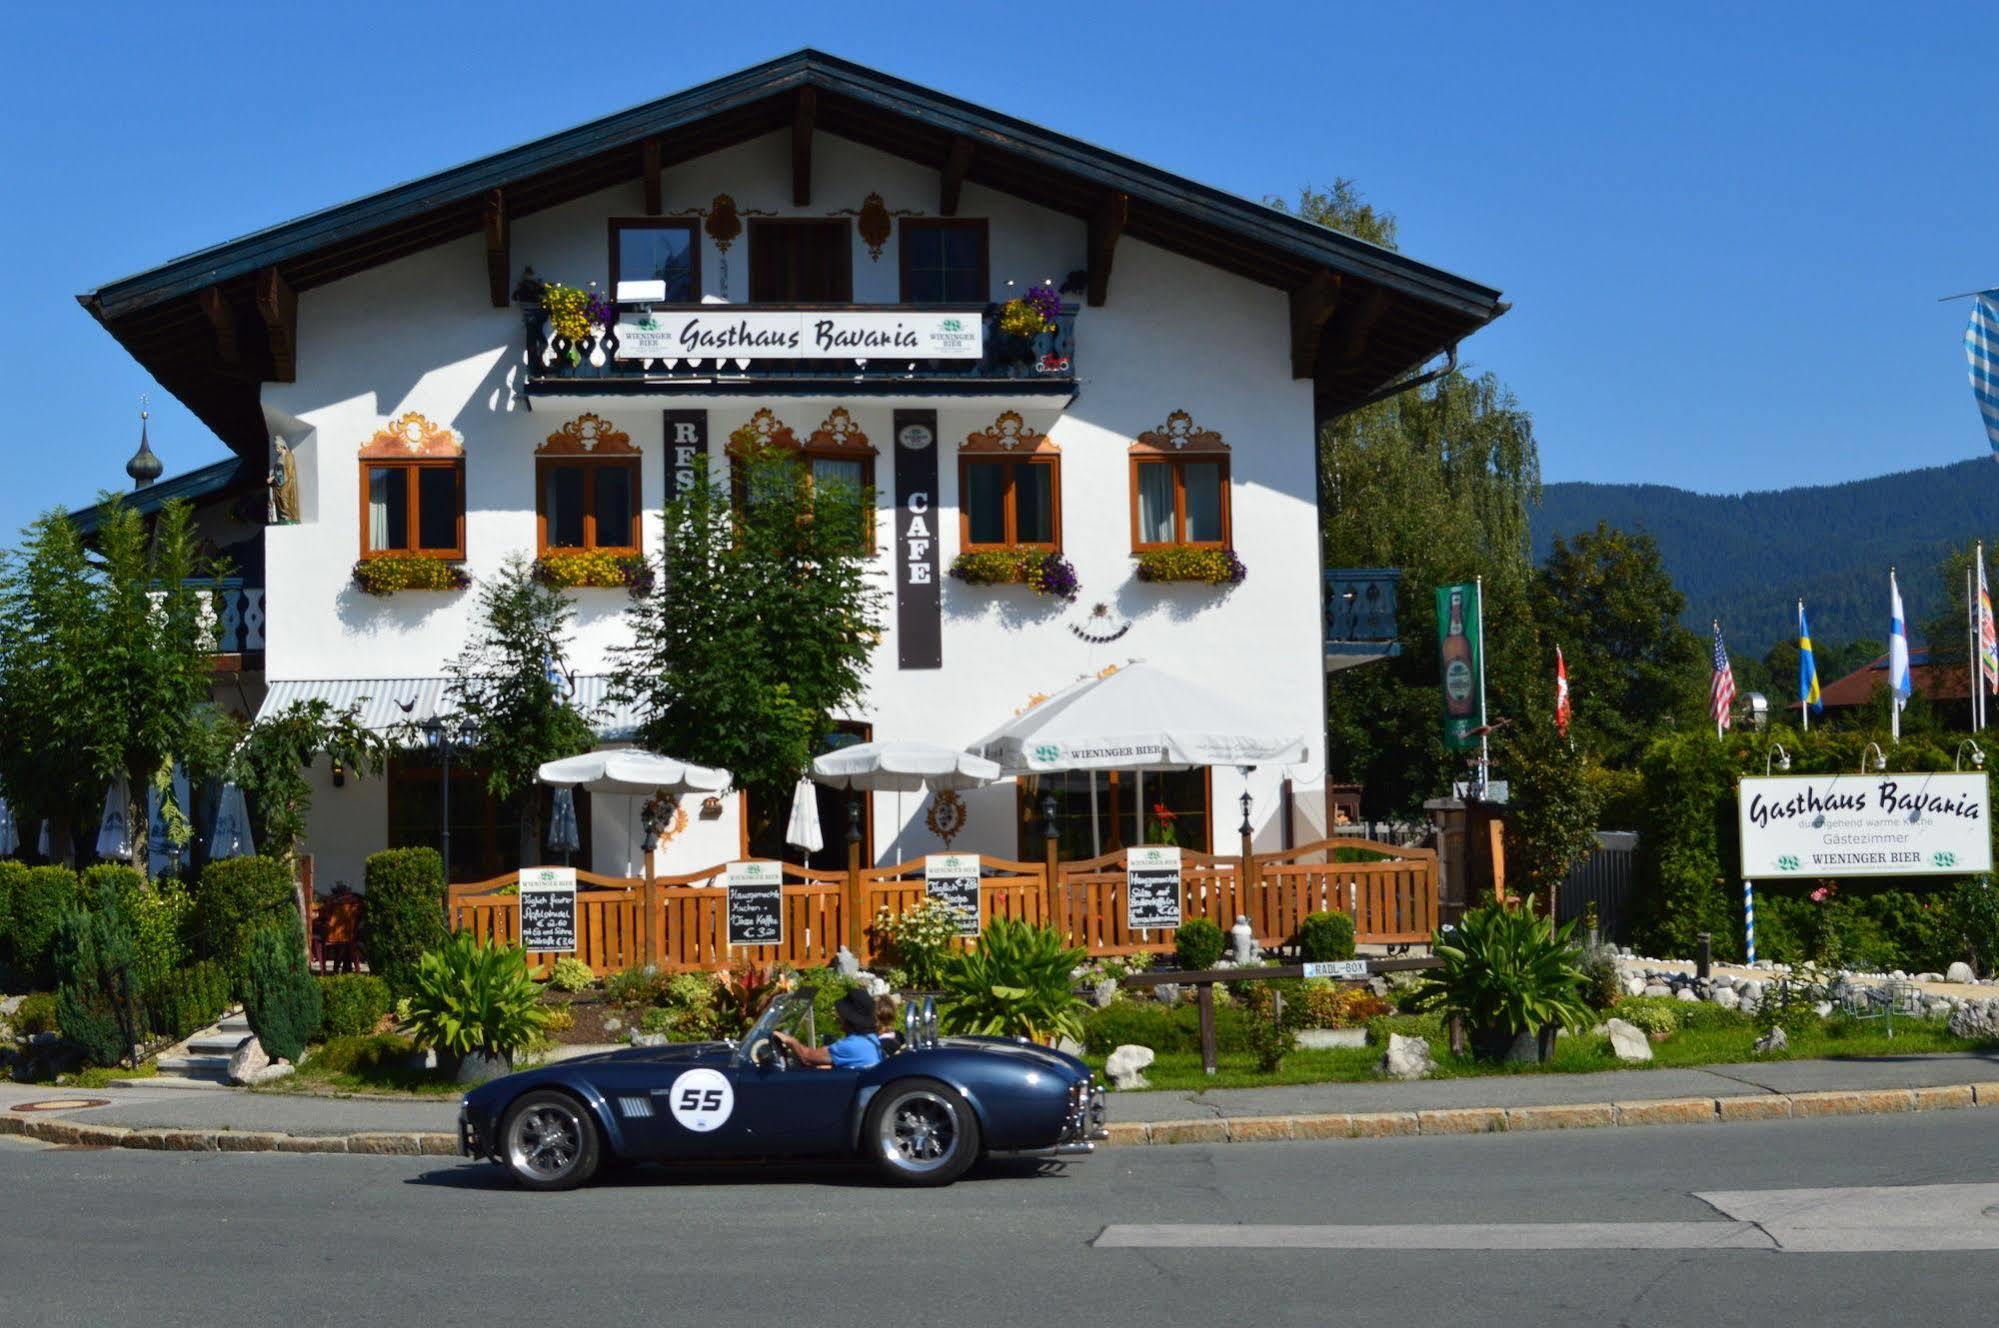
<point x="1461" y="659"/>
<point x="548" y="909"/>
<point x="755" y="903"/>
<point x="953" y="878"/>
<point x="686" y="442"/>
<point x="919" y="609"/>
<point x="1152" y="887"/>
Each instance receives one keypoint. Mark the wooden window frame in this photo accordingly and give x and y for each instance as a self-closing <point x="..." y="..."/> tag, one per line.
<point x="618" y="225"/>
<point x="943" y="223"/>
<point x="1180" y="502"/>
<point x="846" y="251"/>
<point x="1052" y="460"/>
<point x="542" y="467"/>
<point x="869" y="546"/>
<point x="1027" y="811"/>
<point x="456" y="554"/>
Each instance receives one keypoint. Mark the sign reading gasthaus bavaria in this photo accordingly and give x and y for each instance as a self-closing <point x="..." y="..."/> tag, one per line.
<point x="1865" y="825"/>
<point x="722" y="332"/>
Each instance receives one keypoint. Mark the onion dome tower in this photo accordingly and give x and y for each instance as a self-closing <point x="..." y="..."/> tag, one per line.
<point x="144" y="467"/>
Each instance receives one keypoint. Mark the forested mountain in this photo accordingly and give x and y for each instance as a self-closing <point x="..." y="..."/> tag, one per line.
<point x="1747" y="558"/>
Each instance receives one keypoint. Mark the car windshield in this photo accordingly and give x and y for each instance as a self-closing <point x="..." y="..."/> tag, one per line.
<point x="791" y="1012"/>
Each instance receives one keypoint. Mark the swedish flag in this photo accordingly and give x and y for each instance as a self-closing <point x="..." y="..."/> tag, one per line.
<point x="1808" y="670"/>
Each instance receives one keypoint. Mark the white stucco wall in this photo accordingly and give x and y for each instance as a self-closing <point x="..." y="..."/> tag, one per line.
<point x="420" y="334"/>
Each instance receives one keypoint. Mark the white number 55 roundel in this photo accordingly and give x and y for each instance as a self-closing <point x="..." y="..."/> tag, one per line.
<point x="701" y="1100"/>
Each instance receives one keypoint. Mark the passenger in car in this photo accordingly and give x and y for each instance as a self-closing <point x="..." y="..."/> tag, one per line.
<point x="885" y="1030"/>
<point x="858" y="1050"/>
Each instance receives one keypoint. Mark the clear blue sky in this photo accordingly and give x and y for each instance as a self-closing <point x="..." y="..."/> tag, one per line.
<point x="1723" y="228"/>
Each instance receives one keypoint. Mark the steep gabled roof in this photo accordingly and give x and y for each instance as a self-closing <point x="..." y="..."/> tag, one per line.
<point x="212" y="324"/>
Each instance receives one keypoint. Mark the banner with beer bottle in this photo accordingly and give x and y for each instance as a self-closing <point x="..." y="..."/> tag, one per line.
<point x="1461" y="659"/>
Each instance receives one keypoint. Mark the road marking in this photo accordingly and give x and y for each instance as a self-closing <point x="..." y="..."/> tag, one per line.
<point x="1858" y="1219"/>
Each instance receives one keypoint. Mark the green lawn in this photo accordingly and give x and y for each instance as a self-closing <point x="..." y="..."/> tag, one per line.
<point x="362" y="1067"/>
<point x="95" y="1076"/>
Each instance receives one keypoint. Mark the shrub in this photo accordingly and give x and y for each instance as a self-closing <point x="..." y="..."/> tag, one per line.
<point x="1164" y="1028"/>
<point x="362" y="1055"/>
<point x="159" y="914"/>
<point x="233" y="900"/>
<point x="1271" y="1027"/>
<point x="1330" y="1005"/>
<point x="402" y="913"/>
<point x="1604" y="986"/>
<point x="467" y="997"/>
<point x="96" y="1003"/>
<point x="39" y="902"/>
<point x="12" y="874"/>
<point x="280" y="997"/>
<point x="917" y="941"/>
<point x="1429" y="1027"/>
<point x="636" y="988"/>
<point x="1505" y="972"/>
<point x="1199" y="944"/>
<point x="686" y="1009"/>
<point x="1658" y="1015"/>
<point x="352" y="1005"/>
<point x="1706" y="1017"/>
<point x="1014" y="983"/>
<point x="182" y="1003"/>
<point x="1974" y="905"/>
<point x="571" y="974"/>
<point x="1325" y="937"/>
<point x="37" y="1014"/>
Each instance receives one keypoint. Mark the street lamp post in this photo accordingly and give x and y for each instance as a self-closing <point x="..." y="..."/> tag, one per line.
<point x="442" y="737"/>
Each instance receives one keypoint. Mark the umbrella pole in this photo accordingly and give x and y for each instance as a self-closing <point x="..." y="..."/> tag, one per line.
<point x="1096" y="839"/>
<point x="1138" y="805"/>
<point x="857" y="925"/>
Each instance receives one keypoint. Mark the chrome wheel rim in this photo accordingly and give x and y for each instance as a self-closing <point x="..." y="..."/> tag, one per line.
<point x="919" y="1132"/>
<point x="545" y="1142"/>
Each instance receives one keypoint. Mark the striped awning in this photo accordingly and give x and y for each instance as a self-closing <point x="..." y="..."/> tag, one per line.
<point x="385" y="704"/>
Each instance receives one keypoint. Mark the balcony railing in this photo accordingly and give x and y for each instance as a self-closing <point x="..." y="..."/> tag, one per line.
<point x="1360" y="615"/>
<point x="752" y="339"/>
<point x="239" y="627"/>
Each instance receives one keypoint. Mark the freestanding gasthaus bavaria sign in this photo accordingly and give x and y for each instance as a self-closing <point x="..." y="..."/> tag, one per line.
<point x="1865" y="825"/>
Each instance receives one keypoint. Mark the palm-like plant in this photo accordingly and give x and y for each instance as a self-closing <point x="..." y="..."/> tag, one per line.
<point x="1014" y="983"/>
<point x="1507" y="972"/>
<point x="473" y="998"/>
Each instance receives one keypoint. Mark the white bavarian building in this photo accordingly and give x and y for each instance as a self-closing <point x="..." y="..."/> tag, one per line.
<point x="756" y="233"/>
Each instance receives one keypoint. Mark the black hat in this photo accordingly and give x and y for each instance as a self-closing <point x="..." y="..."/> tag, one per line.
<point x="857" y="1011"/>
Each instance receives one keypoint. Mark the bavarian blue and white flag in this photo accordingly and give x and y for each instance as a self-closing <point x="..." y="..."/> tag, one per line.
<point x="1981" y="348"/>
<point x="1898" y="645"/>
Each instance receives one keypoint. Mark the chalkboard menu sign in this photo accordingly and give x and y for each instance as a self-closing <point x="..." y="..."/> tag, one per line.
<point x="548" y="909"/>
<point x="1152" y="887"/>
<point x="953" y="878"/>
<point x="756" y="903"/>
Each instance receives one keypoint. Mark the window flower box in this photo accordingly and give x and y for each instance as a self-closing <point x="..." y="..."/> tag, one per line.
<point x="388" y="574"/>
<point x="1044" y="573"/>
<point x="1180" y="562"/>
<point x="594" y="569"/>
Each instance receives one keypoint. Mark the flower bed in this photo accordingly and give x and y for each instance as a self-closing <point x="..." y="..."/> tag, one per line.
<point x="1214" y="567"/>
<point x="385" y="576"/>
<point x="1045" y="573"/>
<point x="592" y="569"/>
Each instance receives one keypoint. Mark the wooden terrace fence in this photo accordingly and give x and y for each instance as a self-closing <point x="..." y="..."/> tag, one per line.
<point x="1392" y="899"/>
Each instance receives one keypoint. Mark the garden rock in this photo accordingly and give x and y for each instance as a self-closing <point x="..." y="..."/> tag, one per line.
<point x="1823" y="1009"/>
<point x="1657" y="989"/>
<point x="1975" y="1019"/>
<point x="1774" y="1040"/>
<point x="1685" y="994"/>
<point x="1326" y="1039"/>
<point x="248" y="1061"/>
<point x="1408" y="1058"/>
<point x="650" y="1039"/>
<point x="1167" y="993"/>
<point x="1627" y="1041"/>
<point x="273" y="1072"/>
<point x="1749" y="993"/>
<point x="1725" y="998"/>
<point x="1069" y="1047"/>
<point x="847" y="963"/>
<point x="1124" y="1066"/>
<point x="1959" y="972"/>
<point x="1103" y="993"/>
<point x="1634" y="985"/>
<point x="10" y="1005"/>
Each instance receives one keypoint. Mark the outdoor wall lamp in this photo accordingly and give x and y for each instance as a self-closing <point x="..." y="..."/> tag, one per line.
<point x="1977" y="755"/>
<point x="1880" y="757"/>
<point x="1783" y="757"/>
<point x="339" y="774"/>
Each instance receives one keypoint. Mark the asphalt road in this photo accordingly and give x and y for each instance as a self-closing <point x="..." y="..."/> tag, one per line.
<point x="117" y="1236"/>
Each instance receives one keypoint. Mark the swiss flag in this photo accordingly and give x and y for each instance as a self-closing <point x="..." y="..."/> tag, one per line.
<point x="1561" y="694"/>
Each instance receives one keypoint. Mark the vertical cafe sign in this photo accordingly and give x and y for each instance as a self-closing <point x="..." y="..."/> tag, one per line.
<point x="686" y="442"/>
<point x="1461" y="659"/>
<point x="919" y="610"/>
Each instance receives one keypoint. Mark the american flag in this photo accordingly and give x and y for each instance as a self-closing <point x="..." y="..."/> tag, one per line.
<point x="1721" y="697"/>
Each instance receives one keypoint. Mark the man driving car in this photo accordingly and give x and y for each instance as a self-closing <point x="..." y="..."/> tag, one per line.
<point x="856" y="1051"/>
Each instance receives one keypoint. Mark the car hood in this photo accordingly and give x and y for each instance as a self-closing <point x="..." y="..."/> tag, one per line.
<point x="1028" y="1053"/>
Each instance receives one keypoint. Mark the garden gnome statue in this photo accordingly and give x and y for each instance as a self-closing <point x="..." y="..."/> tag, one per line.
<point x="284" y="485"/>
<point x="1242" y="943"/>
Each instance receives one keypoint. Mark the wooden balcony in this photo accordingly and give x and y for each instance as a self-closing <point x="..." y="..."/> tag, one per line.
<point x="1360" y="615"/>
<point x="738" y="350"/>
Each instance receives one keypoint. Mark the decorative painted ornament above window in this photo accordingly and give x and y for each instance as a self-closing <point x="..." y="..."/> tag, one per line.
<point x="838" y="430"/>
<point x="588" y="435"/>
<point x="874" y="222"/>
<point x="1008" y="434"/>
<point x="1180" y="435"/>
<point x="411" y="435"/>
<point x="763" y="429"/>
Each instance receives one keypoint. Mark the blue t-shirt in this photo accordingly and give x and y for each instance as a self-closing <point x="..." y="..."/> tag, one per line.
<point x="856" y="1051"/>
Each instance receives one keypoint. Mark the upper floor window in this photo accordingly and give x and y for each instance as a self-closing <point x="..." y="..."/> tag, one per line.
<point x="653" y="249"/>
<point x="1009" y="488"/>
<point x="1179" y="486"/>
<point x="800" y="261"/>
<point x="413" y="491"/>
<point x="587" y="488"/>
<point x="944" y="261"/>
<point x="835" y="458"/>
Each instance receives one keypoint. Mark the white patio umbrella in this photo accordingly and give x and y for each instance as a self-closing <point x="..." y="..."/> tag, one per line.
<point x="231" y="837"/>
<point x="802" y="832"/>
<point x="114" y="830"/>
<point x="564" y="836"/>
<point x="630" y="773"/>
<point x="10" y="838"/>
<point x="902" y="767"/>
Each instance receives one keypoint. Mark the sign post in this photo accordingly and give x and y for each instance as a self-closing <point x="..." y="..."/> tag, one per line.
<point x="953" y="878"/>
<point x="755" y="903"/>
<point x="548" y="909"/>
<point x="1152" y="888"/>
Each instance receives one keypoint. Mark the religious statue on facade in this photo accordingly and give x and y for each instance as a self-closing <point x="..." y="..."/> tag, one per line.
<point x="283" y="508"/>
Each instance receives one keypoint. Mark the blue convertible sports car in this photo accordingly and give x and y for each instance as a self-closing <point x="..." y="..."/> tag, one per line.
<point x="924" y="1115"/>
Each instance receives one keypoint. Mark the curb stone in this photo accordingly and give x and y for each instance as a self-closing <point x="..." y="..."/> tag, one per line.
<point x="1213" y="1130"/>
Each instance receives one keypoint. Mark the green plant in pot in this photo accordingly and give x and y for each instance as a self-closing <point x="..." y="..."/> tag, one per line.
<point x="477" y="1005"/>
<point x="1512" y="978"/>
<point x="1014" y="983"/>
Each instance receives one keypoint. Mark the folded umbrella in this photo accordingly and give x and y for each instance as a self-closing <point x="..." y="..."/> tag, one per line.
<point x="803" y="830"/>
<point x="114" y="831"/>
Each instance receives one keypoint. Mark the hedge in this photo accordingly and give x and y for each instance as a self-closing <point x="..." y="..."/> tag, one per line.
<point x="233" y="899"/>
<point x="352" y="1004"/>
<point x="183" y="1003"/>
<point x="12" y="875"/>
<point x="402" y="913"/>
<point x="35" y="911"/>
<point x="1164" y="1028"/>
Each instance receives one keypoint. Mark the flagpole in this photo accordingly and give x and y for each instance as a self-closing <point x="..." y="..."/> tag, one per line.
<point x="1484" y="719"/>
<point x="1894" y="692"/>
<point x="1971" y="647"/>
<point x="1978" y="638"/>
<point x="1804" y="694"/>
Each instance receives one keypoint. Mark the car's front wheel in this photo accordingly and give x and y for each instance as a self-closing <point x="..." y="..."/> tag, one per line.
<point x="549" y="1142"/>
<point x="921" y="1132"/>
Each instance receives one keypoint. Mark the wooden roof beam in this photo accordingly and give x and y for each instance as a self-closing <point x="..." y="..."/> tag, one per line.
<point x="1312" y="303"/>
<point x="1360" y="326"/>
<point x="499" y="250"/>
<point x="957" y="160"/>
<point x="803" y="114"/>
<point x="222" y="322"/>
<point x="649" y="152"/>
<point x="277" y="306"/>
<point x="1106" y="225"/>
